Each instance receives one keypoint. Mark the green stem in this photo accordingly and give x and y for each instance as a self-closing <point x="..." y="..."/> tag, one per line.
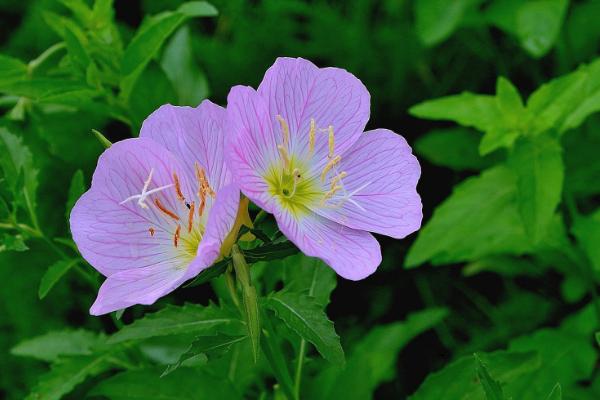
<point x="276" y="359"/>
<point x="299" y="365"/>
<point x="42" y="58"/>
<point x="230" y="282"/>
<point x="259" y="217"/>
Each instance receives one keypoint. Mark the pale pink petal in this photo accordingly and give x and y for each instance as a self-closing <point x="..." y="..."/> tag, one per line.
<point x="351" y="253"/>
<point x="380" y="190"/>
<point x="137" y="286"/>
<point x="220" y="223"/>
<point x="193" y="135"/>
<point x="252" y="148"/>
<point x="297" y="90"/>
<point x="114" y="237"/>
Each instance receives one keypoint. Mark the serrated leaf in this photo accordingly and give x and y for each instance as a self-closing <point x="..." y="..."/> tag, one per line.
<point x="76" y="189"/>
<point x="306" y="317"/>
<point x="480" y="218"/>
<point x="65" y="374"/>
<point x="372" y="360"/>
<point x="183" y="384"/>
<point x="492" y="388"/>
<point x="150" y="37"/>
<point x="52" y="345"/>
<point x="437" y="19"/>
<point x="54" y="273"/>
<point x="538" y="166"/>
<point x="209" y="346"/>
<point x="187" y="319"/>
<point x="458" y="380"/>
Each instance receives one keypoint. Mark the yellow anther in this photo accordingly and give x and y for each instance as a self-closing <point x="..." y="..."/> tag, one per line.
<point x="285" y="130"/>
<point x="330" y="194"/>
<point x="332" y="163"/>
<point x="312" y="136"/>
<point x="337" y="179"/>
<point x="284" y="155"/>
<point x="331" y="141"/>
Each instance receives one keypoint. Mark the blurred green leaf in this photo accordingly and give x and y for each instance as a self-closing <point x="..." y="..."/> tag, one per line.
<point x="146" y="98"/>
<point x="76" y="189"/>
<point x="150" y="38"/>
<point x="556" y="393"/>
<point x="372" y="360"/>
<point x="12" y="243"/>
<point x="455" y="148"/>
<point x="54" y="273"/>
<point x="208" y="346"/>
<point x="183" y="384"/>
<point x="480" y="218"/>
<point x="492" y="388"/>
<point x="183" y="71"/>
<point x="437" y="19"/>
<point x="52" y="345"/>
<point x="306" y="317"/>
<point x="188" y="319"/>
<point x="538" y="24"/>
<point x="458" y="380"/>
<point x="587" y="232"/>
<point x="538" y="165"/>
<point x="309" y="275"/>
<point x="11" y="70"/>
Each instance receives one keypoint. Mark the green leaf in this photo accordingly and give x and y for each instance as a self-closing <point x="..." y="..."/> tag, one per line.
<point x="310" y="276"/>
<point x="51" y="90"/>
<point x="480" y="218"/>
<point x="208" y="346"/>
<point x="12" y="243"/>
<point x="458" y="380"/>
<point x="556" y="393"/>
<point x="437" y="19"/>
<point x="182" y="70"/>
<point x="306" y="317"/>
<point x="76" y="189"/>
<point x="11" y="70"/>
<point x="183" y="384"/>
<point x="54" y="273"/>
<point x="150" y="37"/>
<point x="65" y="374"/>
<point x="187" y="319"/>
<point x="566" y="356"/>
<point x="537" y="163"/>
<point x="52" y="345"/>
<point x="587" y="232"/>
<point x="538" y="24"/>
<point x="372" y="360"/>
<point x="492" y="388"/>
<point x="455" y="148"/>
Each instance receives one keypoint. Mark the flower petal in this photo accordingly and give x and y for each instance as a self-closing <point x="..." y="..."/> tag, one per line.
<point x="351" y="253"/>
<point x="298" y="91"/>
<point x="193" y="135"/>
<point x="383" y="174"/>
<point x="252" y="145"/>
<point x="114" y="237"/>
<point x="220" y="223"/>
<point x="137" y="286"/>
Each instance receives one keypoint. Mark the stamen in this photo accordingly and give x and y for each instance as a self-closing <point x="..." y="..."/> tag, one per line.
<point x="331" y="141"/>
<point x="202" y="204"/>
<point x="151" y="230"/>
<point x="204" y="186"/>
<point x="191" y="216"/>
<point x="312" y="136"/>
<point x="284" y="156"/>
<point x="178" y="187"/>
<point x="165" y="210"/>
<point x="338" y="178"/>
<point x="332" y="163"/>
<point x="285" y="130"/>
<point x="176" y="236"/>
<point x="330" y="194"/>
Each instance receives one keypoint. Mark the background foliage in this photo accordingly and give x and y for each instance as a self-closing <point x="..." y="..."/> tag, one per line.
<point x="499" y="99"/>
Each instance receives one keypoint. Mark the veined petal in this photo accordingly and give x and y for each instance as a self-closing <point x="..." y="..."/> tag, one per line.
<point x="137" y="286"/>
<point x="298" y="91"/>
<point x="353" y="254"/>
<point x="194" y="135"/>
<point x="379" y="188"/>
<point x="252" y="145"/>
<point x="113" y="235"/>
<point x="220" y="223"/>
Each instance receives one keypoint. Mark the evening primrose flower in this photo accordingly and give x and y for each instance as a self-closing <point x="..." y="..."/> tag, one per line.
<point x="298" y="151"/>
<point x="160" y="207"/>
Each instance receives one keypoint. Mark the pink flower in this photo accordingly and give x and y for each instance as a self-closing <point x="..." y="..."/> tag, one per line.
<point x="159" y="208"/>
<point x="298" y="151"/>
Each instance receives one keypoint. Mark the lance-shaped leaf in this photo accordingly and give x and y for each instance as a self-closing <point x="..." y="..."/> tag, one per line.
<point x="492" y="388"/>
<point x="305" y="316"/>
<point x="52" y="345"/>
<point x="53" y="274"/>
